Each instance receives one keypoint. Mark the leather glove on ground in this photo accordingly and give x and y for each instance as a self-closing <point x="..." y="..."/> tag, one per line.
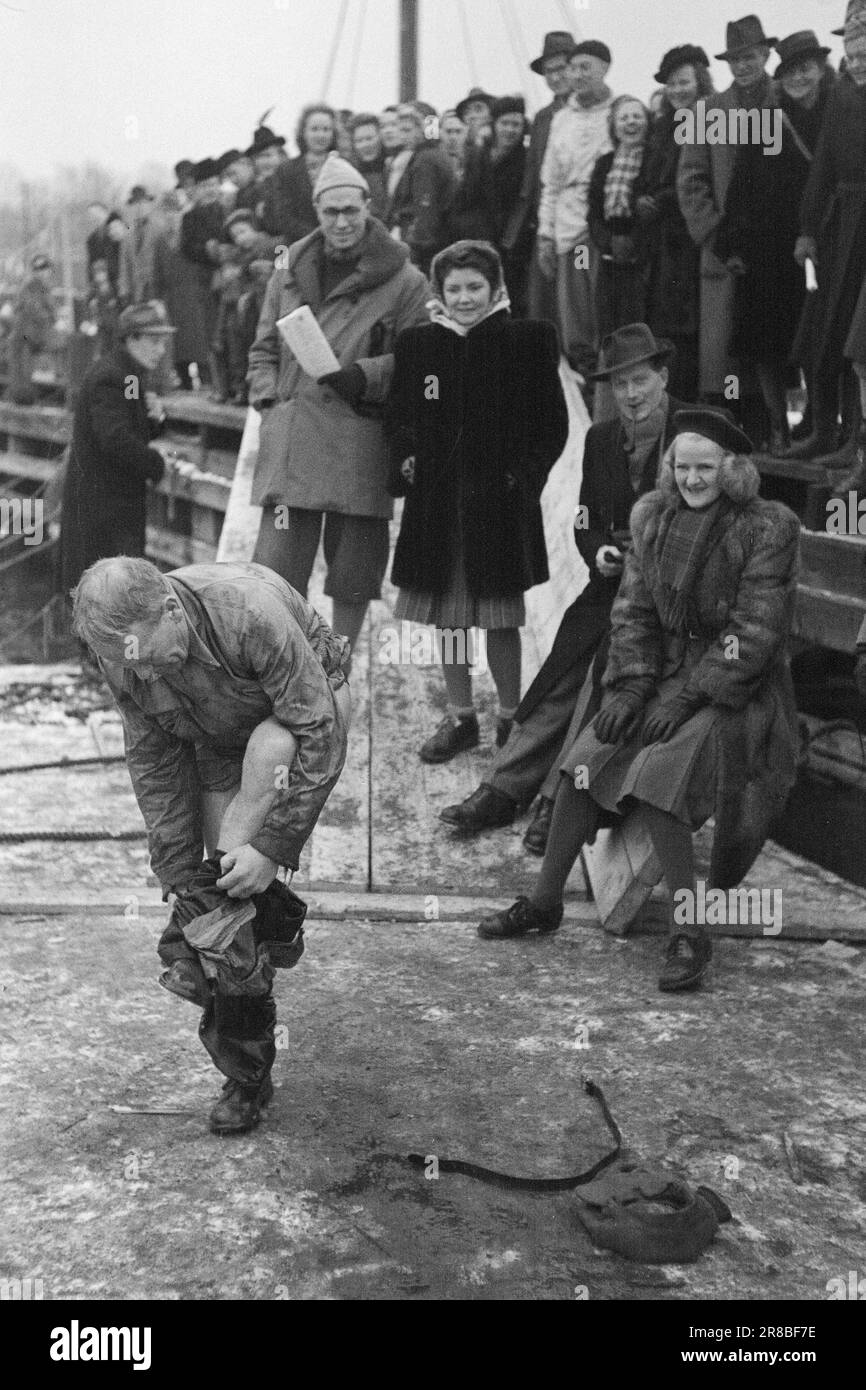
<point x="349" y="383"/>
<point x="665" y="720"/>
<point x="617" y="719"/>
<point x="860" y="674"/>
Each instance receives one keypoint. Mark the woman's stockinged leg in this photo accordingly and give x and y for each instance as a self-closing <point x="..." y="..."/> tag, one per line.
<point x="503" y="655"/>
<point x="672" y="842"/>
<point x="457" y="673"/>
<point x="575" y="816"/>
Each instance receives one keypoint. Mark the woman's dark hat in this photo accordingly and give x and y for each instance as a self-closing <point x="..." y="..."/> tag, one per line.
<point x="139" y="194"/>
<point x="626" y="347"/>
<point x="595" y="48"/>
<point x="228" y="158"/>
<point x="716" y="424"/>
<point x="686" y="53"/>
<point x="508" y="106"/>
<point x="557" y="44"/>
<point x="803" y="44"/>
<point x="204" y="170"/>
<point x="264" y="139"/>
<point x="744" y="33"/>
<point x="474" y="94"/>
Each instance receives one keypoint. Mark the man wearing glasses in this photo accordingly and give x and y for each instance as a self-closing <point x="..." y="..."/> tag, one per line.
<point x="322" y="455"/>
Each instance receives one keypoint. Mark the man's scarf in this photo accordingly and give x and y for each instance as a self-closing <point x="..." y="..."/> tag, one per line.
<point x="620" y="179"/>
<point x="681" y="556"/>
<point x="641" y="436"/>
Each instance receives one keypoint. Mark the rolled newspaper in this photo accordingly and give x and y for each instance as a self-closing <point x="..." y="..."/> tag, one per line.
<point x="304" y="337"/>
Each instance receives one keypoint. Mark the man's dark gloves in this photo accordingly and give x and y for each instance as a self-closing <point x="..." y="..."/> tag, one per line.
<point x="620" y="714"/>
<point x="349" y="383"/>
<point x="665" y="721"/>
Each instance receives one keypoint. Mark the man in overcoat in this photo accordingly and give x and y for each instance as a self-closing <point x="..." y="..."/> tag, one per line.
<point x="703" y="176"/>
<point x="32" y="323"/>
<point x="620" y="461"/>
<point x="322" y="453"/>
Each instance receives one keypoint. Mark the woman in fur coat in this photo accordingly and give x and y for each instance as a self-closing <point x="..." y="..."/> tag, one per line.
<point x="697" y="715"/>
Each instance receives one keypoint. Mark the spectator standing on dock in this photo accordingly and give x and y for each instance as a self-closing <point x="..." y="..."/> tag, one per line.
<point x="472" y="463"/>
<point x="137" y="249"/>
<point x="421" y="187"/>
<point x="33" y="322"/>
<point x="287" y="208"/>
<point x="368" y="155"/>
<point x="203" y="249"/>
<point x="620" y="284"/>
<point x="97" y="237"/>
<point x="322" y="454"/>
<point x="111" y="459"/>
<point x="235" y="710"/>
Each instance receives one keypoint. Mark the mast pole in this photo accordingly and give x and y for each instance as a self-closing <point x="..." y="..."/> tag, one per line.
<point x="408" y="50"/>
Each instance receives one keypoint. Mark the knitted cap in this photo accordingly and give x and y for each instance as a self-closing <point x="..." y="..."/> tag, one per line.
<point x="337" y="172"/>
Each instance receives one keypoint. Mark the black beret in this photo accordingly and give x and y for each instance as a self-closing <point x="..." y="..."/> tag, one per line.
<point x="715" y="424"/>
<point x="595" y="48"/>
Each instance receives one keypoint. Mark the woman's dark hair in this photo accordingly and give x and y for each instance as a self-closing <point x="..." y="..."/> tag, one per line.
<point x="363" y="118"/>
<point x="468" y="255"/>
<point x="705" y="85"/>
<point x="317" y="108"/>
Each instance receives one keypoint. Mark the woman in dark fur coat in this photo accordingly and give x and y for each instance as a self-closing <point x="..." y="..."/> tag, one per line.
<point x="476" y="418"/>
<point x="697" y="717"/>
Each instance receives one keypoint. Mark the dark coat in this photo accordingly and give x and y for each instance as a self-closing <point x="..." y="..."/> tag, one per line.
<point x="102" y="247"/>
<point x="834" y="213"/>
<point x="287" y="208"/>
<point x="670" y="257"/>
<point x="421" y="204"/>
<point x="375" y="174"/>
<point x="199" y="226"/>
<point x="523" y="219"/>
<point x="619" y="289"/>
<point x="104" y="497"/>
<point x="485" y="417"/>
<point x="746" y="589"/>
<point x="608" y="496"/>
<point x="761" y="224"/>
<point x="180" y="284"/>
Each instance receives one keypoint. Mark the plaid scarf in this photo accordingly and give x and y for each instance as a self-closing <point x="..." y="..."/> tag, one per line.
<point x="620" y="179"/>
<point x="681" y="554"/>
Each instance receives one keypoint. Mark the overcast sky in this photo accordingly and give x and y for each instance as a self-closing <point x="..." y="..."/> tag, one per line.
<point x="130" y="82"/>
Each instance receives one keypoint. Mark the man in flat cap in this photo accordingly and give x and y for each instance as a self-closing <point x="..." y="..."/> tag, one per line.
<point x="579" y="134"/>
<point x="322" y="455"/>
<point x="702" y="184"/>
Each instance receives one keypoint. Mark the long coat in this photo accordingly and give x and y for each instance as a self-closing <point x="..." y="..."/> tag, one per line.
<point x="670" y="257"/>
<point x="761" y="223"/>
<point x="136" y="269"/>
<point x="315" y="451"/>
<point x="32" y="325"/>
<point x="620" y="287"/>
<point x="485" y="417"/>
<point x="745" y="590"/>
<point x="287" y="202"/>
<point x="523" y="219"/>
<point x="110" y="461"/>
<point x="606" y="497"/>
<point x="178" y="283"/>
<point x="834" y="213"/>
<point x="421" y="203"/>
<point x="703" y="176"/>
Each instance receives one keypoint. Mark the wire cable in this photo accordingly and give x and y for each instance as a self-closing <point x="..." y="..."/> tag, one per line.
<point x="353" y="70"/>
<point x="335" y="45"/>
<point x="467" y="44"/>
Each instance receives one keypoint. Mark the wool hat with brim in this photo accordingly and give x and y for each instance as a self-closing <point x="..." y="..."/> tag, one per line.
<point x="139" y="194"/>
<point x="796" y="47"/>
<point x="594" y="48"/>
<point x="686" y="55"/>
<point x="629" y="346"/>
<point x="474" y="94"/>
<point x="744" y="33"/>
<point x="716" y="424"/>
<point x="557" y="44"/>
<point x="337" y="172"/>
<point x="854" y="15"/>
<point x="138" y="319"/>
<point x="205" y="169"/>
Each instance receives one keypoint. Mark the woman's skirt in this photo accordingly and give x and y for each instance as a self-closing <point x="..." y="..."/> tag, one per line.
<point x="679" y="776"/>
<point x="457" y="608"/>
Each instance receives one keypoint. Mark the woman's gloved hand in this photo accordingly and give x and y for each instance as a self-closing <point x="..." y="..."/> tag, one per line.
<point x="619" y="716"/>
<point x="665" y="721"/>
<point x="349" y="383"/>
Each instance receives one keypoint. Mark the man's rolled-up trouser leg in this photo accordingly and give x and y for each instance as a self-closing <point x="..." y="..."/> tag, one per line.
<point x="239" y="1035"/>
<point x="530" y="757"/>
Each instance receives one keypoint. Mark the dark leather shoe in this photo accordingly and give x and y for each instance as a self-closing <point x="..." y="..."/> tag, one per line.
<point x="687" y="956"/>
<point x="535" y="839"/>
<point x="240" y="1107"/>
<point x="452" y="737"/>
<point x="485" y="809"/>
<point x="187" y="979"/>
<point x="518" y="919"/>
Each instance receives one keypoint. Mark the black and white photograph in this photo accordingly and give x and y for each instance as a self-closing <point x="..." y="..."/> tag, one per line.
<point x="433" y="667"/>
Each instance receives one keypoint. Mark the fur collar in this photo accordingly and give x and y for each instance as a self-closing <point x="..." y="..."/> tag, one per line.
<point x="381" y="258"/>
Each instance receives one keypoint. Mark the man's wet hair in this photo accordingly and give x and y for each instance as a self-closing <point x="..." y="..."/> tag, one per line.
<point x="115" y="594"/>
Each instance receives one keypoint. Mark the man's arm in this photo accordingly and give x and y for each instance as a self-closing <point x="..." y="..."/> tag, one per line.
<point x="264" y="355"/>
<point x="116" y="436"/>
<point x="551" y="184"/>
<point x="695" y="193"/>
<point x="411" y="310"/>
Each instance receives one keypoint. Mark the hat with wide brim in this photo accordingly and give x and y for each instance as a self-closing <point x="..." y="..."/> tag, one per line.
<point x="716" y="424"/>
<point x="148" y="318"/>
<point x="629" y="346"/>
<point x="205" y="169"/>
<point x="686" y="54"/>
<point x="557" y="44"/>
<point x="594" y="48"/>
<point x="803" y="44"/>
<point x="744" y="33"/>
<point x="856" y="10"/>
<point x="475" y="94"/>
<point x="264" y="139"/>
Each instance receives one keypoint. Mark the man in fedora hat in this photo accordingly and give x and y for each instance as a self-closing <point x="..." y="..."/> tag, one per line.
<point x="552" y="65"/>
<point x="579" y="134"/>
<point x="620" y="461"/>
<point x="111" y="459"/>
<point x="476" y="113"/>
<point x="702" y="183"/>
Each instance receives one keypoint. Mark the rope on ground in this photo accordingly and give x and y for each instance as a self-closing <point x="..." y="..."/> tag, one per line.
<point x="21" y="837"/>
<point x="65" y="763"/>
